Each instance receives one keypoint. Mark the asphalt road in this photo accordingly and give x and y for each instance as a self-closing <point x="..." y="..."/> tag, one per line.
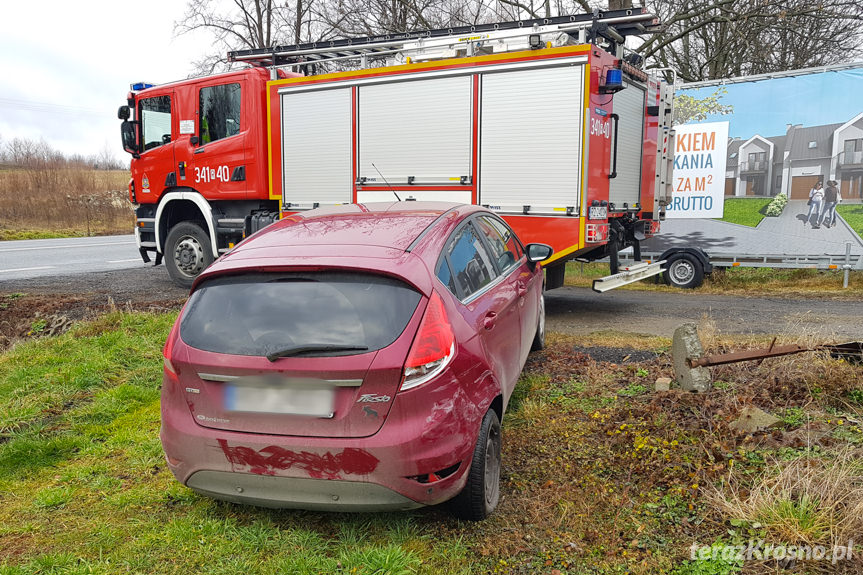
<point x="57" y="257"/>
<point x="580" y="310"/>
<point x="569" y="310"/>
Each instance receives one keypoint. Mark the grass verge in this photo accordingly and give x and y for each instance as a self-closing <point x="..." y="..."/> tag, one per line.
<point x="744" y="211"/>
<point x="601" y="474"/>
<point x="853" y="214"/>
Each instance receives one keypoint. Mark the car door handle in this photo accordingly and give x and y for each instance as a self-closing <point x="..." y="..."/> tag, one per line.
<point x="522" y="290"/>
<point x="488" y="322"/>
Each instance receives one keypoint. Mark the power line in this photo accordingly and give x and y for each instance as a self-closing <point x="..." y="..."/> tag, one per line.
<point x="50" y="108"/>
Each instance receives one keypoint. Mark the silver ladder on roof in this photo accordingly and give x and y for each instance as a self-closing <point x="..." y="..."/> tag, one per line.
<point x="611" y="27"/>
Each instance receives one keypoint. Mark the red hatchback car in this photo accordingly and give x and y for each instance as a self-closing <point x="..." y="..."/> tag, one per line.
<point x="354" y="358"/>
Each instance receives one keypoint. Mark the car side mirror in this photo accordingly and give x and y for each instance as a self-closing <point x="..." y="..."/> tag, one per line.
<point x="537" y="253"/>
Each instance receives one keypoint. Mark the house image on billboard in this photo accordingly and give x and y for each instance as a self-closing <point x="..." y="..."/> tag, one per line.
<point x="793" y="163"/>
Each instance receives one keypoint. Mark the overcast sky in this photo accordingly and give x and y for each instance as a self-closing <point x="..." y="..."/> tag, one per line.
<point x="66" y="66"/>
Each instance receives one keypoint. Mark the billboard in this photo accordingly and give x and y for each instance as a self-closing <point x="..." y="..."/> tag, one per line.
<point x="795" y="136"/>
<point x="699" y="170"/>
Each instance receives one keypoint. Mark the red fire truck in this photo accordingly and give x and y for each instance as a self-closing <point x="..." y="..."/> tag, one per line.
<point x="547" y="122"/>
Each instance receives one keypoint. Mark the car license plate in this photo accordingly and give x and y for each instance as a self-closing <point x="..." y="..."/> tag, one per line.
<point x="597" y="213"/>
<point x="281" y="396"/>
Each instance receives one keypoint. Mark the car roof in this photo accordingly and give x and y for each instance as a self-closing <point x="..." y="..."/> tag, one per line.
<point x="383" y="224"/>
<point x="376" y="237"/>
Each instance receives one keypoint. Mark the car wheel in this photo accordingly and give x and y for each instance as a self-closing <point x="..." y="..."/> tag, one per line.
<point x="539" y="337"/>
<point x="482" y="491"/>
<point x="684" y="271"/>
<point x="187" y="253"/>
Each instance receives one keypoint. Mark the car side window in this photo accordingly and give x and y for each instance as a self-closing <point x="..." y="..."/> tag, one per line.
<point x="501" y="239"/>
<point x="444" y="274"/>
<point x="469" y="263"/>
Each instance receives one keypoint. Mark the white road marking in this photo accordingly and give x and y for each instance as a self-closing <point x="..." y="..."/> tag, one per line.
<point x="54" y="247"/>
<point x="124" y="261"/>
<point x="27" y="269"/>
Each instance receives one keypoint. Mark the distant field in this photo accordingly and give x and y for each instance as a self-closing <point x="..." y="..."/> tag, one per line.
<point x="63" y="202"/>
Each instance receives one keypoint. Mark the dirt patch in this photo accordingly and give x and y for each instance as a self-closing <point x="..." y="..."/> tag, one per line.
<point x="26" y="316"/>
<point x="615" y="354"/>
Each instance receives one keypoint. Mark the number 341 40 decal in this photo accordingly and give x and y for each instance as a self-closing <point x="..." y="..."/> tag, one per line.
<point x="205" y="174"/>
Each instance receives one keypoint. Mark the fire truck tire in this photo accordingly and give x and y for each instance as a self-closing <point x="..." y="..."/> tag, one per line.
<point x="684" y="271"/>
<point x="187" y="253"/>
<point x="539" y="337"/>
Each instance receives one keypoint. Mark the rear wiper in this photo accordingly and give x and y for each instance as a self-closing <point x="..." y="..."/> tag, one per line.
<point x="324" y="347"/>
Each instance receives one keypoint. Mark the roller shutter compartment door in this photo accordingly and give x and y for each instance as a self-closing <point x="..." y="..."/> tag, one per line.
<point x="316" y="147"/>
<point x="530" y="139"/>
<point x="419" y="129"/>
<point x="628" y="104"/>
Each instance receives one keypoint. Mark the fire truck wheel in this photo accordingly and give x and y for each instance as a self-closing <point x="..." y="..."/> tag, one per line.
<point x="539" y="338"/>
<point x="187" y="253"/>
<point x="684" y="271"/>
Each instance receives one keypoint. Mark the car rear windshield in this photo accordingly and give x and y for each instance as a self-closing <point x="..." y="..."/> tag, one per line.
<point x="265" y="313"/>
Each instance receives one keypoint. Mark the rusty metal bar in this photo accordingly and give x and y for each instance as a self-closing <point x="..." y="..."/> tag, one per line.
<point x="747" y="355"/>
<point x="852" y="351"/>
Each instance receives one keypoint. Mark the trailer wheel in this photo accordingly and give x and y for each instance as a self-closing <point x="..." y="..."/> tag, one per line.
<point x="187" y="253"/>
<point x="684" y="271"/>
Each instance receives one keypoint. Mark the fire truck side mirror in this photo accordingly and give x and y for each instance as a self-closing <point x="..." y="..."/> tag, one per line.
<point x="123" y="113"/>
<point x="130" y="137"/>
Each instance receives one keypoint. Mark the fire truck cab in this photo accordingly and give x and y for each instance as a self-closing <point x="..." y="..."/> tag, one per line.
<point x="199" y="166"/>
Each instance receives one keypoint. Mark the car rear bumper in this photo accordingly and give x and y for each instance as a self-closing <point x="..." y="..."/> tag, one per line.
<point x="298" y="493"/>
<point x="423" y="434"/>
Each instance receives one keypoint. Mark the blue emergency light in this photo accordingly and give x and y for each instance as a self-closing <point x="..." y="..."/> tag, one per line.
<point x="138" y="86"/>
<point x="614" y="79"/>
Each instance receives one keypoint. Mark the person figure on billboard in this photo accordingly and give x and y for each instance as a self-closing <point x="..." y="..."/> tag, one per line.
<point x="831" y="198"/>
<point x="816" y="197"/>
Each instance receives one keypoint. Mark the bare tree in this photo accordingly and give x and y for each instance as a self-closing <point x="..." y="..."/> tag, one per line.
<point x="712" y="39"/>
<point x="246" y="24"/>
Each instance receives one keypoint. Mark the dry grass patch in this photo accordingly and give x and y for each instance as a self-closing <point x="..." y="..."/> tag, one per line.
<point x="63" y="201"/>
<point x="810" y="500"/>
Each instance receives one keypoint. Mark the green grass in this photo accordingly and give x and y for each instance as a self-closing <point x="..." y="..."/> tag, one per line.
<point x="597" y="478"/>
<point x="853" y="214"/>
<point x="744" y="211"/>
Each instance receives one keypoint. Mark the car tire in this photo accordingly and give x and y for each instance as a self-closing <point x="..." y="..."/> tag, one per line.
<point x="187" y="253"/>
<point x="481" y="493"/>
<point x="539" y="338"/>
<point x="684" y="271"/>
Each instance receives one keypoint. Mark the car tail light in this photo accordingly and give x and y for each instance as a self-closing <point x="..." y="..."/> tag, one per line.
<point x="433" y="346"/>
<point x="168" y="350"/>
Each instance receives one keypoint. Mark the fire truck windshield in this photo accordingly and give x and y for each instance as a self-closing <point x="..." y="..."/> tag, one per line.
<point x="155" y="114"/>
